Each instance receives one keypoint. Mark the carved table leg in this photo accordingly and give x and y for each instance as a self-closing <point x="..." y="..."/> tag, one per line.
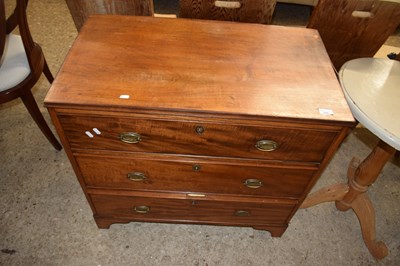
<point x="364" y="210"/>
<point x="327" y="194"/>
<point x="366" y="173"/>
<point x="360" y="176"/>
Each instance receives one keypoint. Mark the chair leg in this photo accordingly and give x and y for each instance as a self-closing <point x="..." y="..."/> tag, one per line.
<point x="31" y="105"/>
<point x="47" y="72"/>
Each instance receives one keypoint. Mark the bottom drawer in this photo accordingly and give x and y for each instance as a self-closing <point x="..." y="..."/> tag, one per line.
<point x="191" y="210"/>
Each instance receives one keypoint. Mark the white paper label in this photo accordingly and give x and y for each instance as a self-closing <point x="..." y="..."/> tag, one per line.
<point x="324" y="111"/>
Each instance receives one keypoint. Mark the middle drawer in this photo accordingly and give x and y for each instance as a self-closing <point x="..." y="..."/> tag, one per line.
<point x="195" y="175"/>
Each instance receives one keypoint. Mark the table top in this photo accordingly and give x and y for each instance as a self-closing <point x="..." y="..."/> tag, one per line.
<point x="187" y="65"/>
<point x="372" y="90"/>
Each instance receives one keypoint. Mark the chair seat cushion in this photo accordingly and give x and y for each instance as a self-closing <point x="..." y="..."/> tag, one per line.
<point x="14" y="66"/>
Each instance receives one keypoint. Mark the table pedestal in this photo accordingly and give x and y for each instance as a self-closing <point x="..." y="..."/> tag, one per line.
<point x="353" y="196"/>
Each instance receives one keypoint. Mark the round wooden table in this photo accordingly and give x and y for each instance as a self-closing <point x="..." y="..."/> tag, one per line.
<point x="372" y="90"/>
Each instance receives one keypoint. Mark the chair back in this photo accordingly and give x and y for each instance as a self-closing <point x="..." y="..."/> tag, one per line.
<point x="354" y="28"/>
<point x="18" y="19"/>
<point x="81" y="9"/>
<point x="21" y="64"/>
<point x="254" y="11"/>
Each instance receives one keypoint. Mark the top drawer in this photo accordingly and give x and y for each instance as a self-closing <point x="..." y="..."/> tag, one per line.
<point x="179" y="137"/>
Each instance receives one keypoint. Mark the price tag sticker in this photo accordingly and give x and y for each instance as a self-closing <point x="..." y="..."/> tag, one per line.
<point x="325" y="111"/>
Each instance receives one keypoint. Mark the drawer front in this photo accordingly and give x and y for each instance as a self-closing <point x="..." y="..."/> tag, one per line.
<point x="193" y="176"/>
<point x="162" y="209"/>
<point x="196" y="139"/>
<point x="254" y="11"/>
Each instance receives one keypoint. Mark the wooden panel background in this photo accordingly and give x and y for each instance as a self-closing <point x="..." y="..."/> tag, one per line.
<point x="254" y="11"/>
<point x="81" y="9"/>
<point x="348" y="37"/>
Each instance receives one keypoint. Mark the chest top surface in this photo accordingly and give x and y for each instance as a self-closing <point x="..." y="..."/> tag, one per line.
<point x="199" y="66"/>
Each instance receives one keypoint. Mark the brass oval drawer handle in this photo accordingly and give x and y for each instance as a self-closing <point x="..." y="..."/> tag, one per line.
<point x="130" y="137"/>
<point x="242" y="213"/>
<point x="136" y="176"/>
<point x="253" y="183"/>
<point x="142" y="209"/>
<point x="266" y="145"/>
<point x="228" y="4"/>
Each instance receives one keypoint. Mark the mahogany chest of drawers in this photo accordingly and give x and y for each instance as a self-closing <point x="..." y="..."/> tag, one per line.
<point x="207" y="122"/>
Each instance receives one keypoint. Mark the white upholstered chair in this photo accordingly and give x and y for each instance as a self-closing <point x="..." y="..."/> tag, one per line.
<point x="21" y="64"/>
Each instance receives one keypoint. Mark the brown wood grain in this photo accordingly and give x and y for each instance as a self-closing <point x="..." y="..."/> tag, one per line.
<point x="348" y="37"/>
<point x="181" y="138"/>
<point x="81" y="9"/>
<point x="179" y="75"/>
<point x="190" y="210"/>
<point x="179" y="175"/>
<point x="254" y="11"/>
<point x="200" y="66"/>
